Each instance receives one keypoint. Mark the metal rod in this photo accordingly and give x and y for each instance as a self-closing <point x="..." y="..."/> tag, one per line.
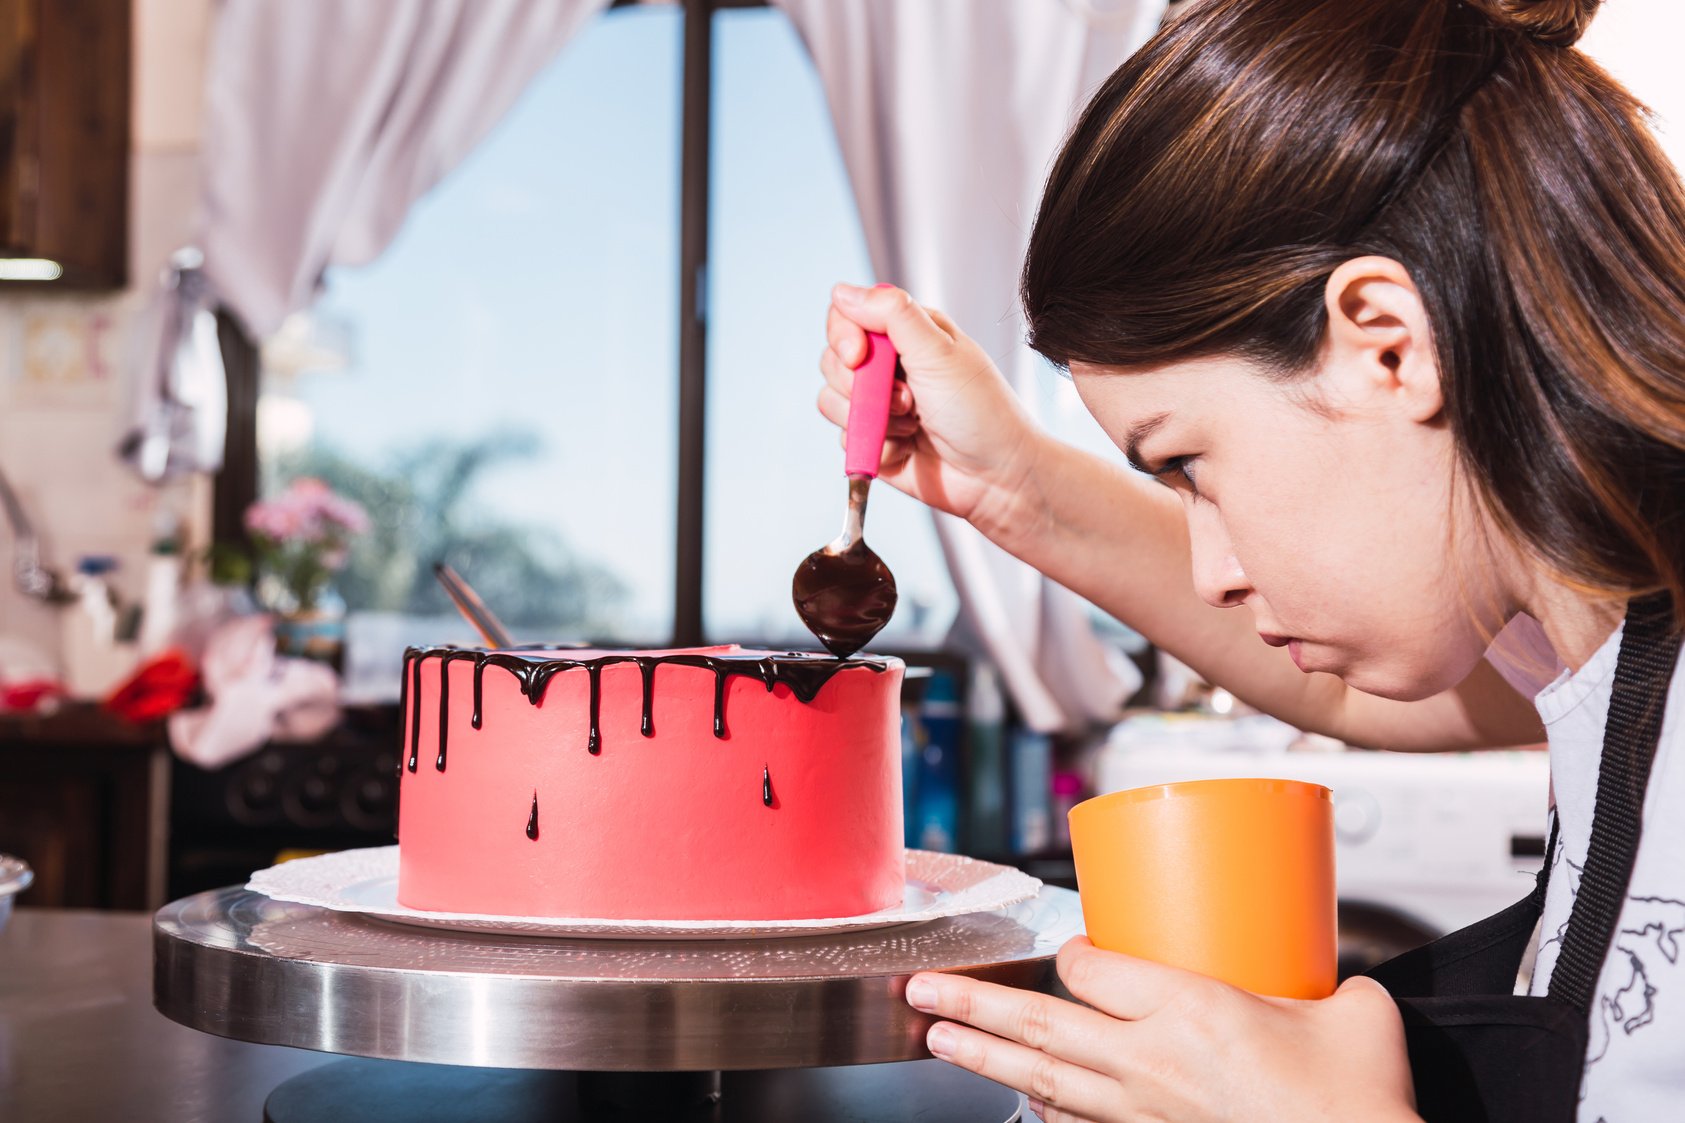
<point x="693" y="320"/>
<point x="473" y="609"/>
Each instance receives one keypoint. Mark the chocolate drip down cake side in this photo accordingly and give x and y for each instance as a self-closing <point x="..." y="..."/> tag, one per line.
<point x="700" y="784"/>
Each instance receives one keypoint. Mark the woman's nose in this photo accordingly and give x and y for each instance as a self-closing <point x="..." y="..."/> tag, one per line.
<point x="1218" y="577"/>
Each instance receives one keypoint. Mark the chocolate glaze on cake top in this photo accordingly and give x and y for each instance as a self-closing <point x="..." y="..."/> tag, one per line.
<point x="805" y="673"/>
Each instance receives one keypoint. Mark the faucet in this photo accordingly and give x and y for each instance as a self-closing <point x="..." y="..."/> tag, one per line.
<point x="33" y="579"/>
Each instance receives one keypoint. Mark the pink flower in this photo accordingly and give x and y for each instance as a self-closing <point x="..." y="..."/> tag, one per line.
<point x="307" y="513"/>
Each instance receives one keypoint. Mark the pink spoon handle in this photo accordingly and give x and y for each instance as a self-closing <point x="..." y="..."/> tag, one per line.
<point x="868" y="407"/>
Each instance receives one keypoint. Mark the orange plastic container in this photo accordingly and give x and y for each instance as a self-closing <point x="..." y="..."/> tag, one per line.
<point x="1231" y="878"/>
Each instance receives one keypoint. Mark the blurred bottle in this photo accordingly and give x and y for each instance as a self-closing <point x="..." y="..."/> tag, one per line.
<point x="1067" y="793"/>
<point x="936" y="803"/>
<point x="160" y="604"/>
<point x="88" y="631"/>
<point x="985" y="715"/>
<point x="912" y="745"/>
<point x="1032" y="783"/>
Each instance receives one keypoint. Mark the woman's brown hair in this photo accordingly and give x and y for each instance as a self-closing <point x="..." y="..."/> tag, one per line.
<point x="1223" y="172"/>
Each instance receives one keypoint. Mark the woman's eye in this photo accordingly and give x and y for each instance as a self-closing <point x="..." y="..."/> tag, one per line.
<point x="1178" y="473"/>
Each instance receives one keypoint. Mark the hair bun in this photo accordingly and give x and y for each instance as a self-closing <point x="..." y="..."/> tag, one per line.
<point x="1559" y="23"/>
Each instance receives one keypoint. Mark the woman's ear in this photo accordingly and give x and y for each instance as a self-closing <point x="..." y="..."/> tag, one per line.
<point x="1379" y="349"/>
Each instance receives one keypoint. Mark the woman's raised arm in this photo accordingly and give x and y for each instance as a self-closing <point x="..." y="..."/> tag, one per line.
<point x="961" y="442"/>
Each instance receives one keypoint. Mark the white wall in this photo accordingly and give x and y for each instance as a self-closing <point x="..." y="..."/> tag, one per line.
<point x="1638" y="41"/>
<point x="63" y="394"/>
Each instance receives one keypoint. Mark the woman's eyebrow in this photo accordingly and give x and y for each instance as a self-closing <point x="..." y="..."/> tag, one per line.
<point x="1137" y="433"/>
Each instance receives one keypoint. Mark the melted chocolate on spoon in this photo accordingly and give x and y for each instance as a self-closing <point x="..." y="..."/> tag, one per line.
<point x="846" y="598"/>
<point x="843" y="592"/>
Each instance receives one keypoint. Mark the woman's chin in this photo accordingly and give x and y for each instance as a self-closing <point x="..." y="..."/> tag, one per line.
<point x="1399" y="684"/>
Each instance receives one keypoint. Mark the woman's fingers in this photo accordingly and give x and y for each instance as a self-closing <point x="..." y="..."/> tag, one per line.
<point x="845" y="337"/>
<point x="837" y="374"/>
<point x="1039" y="1021"/>
<point x="891" y="310"/>
<point x="1121" y="985"/>
<point x="896" y="451"/>
<point x="833" y="406"/>
<point x="1060" y="1085"/>
<point x="841" y="376"/>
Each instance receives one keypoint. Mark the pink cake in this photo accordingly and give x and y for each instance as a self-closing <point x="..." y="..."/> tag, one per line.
<point x="700" y="784"/>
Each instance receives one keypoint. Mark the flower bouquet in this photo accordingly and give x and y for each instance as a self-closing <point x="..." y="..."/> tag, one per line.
<point x="301" y="538"/>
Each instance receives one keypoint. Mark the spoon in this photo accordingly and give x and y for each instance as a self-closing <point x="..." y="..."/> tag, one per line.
<point x="844" y="593"/>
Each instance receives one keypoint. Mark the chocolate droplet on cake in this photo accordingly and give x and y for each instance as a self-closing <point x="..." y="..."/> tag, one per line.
<point x="415" y="712"/>
<point x="444" y="710"/>
<point x="646" y="723"/>
<point x="532" y="820"/>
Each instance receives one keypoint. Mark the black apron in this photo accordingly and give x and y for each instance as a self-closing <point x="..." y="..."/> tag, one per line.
<point x="1480" y="1053"/>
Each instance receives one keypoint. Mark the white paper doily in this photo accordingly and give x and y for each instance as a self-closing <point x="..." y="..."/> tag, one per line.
<point x="366" y="882"/>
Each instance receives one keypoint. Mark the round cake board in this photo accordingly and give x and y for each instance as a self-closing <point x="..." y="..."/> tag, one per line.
<point x="365" y="882"/>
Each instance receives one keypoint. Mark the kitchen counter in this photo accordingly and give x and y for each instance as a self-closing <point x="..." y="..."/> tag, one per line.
<point x="80" y="1041"/>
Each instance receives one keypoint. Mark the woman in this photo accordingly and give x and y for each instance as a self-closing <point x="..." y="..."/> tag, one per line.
<point x="1386" y="298"/>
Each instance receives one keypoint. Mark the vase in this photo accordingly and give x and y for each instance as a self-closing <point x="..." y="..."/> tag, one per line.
<point x="316" y="632"/>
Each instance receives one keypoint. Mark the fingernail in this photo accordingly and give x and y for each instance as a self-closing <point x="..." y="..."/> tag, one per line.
<point x="848" y="294"/>
<point x="921" y="995"/>
<point x="940" y="1041"/>
<point x="1039" y="1108"/>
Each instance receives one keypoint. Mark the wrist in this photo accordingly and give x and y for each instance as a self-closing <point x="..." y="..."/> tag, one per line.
<point x="1013" y="507"/>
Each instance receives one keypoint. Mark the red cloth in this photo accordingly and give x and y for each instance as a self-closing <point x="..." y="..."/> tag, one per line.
<point x="163" y="684"/>
<point x="28" y="694"/>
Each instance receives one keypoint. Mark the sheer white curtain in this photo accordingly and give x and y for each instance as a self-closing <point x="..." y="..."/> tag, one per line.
<point x="949" y="113"/>
<point x="325" y="120"/>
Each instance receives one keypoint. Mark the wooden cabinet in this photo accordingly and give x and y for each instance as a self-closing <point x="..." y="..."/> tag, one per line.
<point x="84" y="799"/>
<point x="64" y="138"/>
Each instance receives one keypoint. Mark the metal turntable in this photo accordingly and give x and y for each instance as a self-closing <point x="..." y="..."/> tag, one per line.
<point x="511" y="1029"/>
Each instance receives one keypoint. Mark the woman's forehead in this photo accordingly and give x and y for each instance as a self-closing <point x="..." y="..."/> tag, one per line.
<point x="1136" y="393"/>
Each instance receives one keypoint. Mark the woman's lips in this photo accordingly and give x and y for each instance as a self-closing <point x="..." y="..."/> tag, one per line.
<point x="1291" y="644"/>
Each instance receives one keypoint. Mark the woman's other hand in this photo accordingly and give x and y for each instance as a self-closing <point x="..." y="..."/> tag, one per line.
<point x="959" y="440"/>
<point x="1156" y="1042"/>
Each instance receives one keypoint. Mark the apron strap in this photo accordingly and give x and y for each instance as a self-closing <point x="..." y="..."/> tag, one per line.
<point x="1643" y="673"/>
